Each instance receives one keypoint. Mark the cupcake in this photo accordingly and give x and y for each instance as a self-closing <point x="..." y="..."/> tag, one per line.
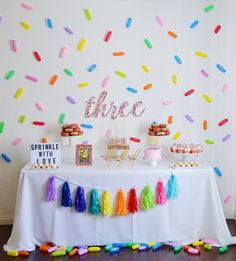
<point x="194" y="149"/>
<point x="187" y="149"/>
<point x="180" y="148"/>
<point x="174" y="148"/>
<point x="199" y="148"/>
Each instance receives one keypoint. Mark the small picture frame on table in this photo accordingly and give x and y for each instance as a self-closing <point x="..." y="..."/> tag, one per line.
<point x="83" y="155"/>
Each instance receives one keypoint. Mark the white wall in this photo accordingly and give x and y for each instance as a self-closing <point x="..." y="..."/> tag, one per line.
<point x="112" y="15"/>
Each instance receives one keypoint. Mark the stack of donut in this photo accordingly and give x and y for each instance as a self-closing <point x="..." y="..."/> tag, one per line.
<point x="71" y="130"/>
<point x="158" y="130"/>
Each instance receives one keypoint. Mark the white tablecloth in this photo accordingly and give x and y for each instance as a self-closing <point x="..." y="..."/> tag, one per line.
<point x="196" y="214"/>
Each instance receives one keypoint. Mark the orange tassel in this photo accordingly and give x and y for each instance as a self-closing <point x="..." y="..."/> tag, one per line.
<point x="121" y="203"/>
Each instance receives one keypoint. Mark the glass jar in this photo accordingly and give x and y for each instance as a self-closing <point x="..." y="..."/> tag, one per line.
<point x="68" y="151"/>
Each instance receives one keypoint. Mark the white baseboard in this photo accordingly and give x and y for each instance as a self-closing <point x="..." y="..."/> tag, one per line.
<point x="6" y="220"/>
<point x="230" y="215"/>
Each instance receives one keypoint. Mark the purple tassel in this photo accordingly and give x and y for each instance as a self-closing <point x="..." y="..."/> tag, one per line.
<point x="51" y="192"/>
<point x="80" y="203"/>
<point x="66" y="196"/>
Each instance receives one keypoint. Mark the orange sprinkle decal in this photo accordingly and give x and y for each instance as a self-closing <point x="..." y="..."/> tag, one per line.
<point x="53" y="79"/>
<point x="172" y="34"/>
<point x="118" y="53"/>
<point x="148" y="86"/>
<point x="170" y="119"/>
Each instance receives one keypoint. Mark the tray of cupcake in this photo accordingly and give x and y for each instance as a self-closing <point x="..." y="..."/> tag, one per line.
<point x="186" y="150"/>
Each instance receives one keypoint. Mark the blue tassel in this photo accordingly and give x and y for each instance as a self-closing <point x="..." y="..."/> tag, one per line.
<point x="94" y="207"/>
<point x="66" y="196"/>
<point x="80" y="203"/>
<point x="172" y="189"/>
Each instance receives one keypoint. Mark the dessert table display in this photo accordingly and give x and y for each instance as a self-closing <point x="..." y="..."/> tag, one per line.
<point x="194" y="213"/>
<point x="122" y="197"/>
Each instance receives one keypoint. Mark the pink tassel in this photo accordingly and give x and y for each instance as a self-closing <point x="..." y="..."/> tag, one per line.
<point x="161" y="195"/>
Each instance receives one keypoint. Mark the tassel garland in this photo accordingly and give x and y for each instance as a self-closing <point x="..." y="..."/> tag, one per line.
<point x="147" y="198"/>
<point x="133" y="201"/>
<point x="51" y="191"/>
<point x="80" y="203"/>
<point x="121" y="203"/>
<point x="106" y="204"/>
<point x="161" y="195"/>
<point x="66" y="196"/>
<point x="94" y="207"/>
<point x="122" y="207"/>
<point x="172" y="190"/>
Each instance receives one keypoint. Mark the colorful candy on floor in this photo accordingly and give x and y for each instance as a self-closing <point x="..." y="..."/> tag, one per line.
<point x="80" y="250"/>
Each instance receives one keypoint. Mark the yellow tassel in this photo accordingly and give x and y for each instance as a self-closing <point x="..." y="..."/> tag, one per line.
<point x="121" y="203"/>
<point x="106" y="204"/>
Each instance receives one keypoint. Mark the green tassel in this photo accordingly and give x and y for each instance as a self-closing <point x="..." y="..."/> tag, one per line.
<point x="147" y="198"/>
<point x="94" y="207"/>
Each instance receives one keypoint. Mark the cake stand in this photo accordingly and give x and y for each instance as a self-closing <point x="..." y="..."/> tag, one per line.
<point x="153" y="140"/>
<point x="153" y="159"/>
<point x="68" y="149"/>
<point x="153" y="162"/>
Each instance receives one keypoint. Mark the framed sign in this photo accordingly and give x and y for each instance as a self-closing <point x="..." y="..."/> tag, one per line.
<point x="83" y="154"/>
<point x="43" y="153"/>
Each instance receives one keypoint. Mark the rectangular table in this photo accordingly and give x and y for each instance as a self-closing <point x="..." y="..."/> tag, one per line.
<point x="196" y="214"/>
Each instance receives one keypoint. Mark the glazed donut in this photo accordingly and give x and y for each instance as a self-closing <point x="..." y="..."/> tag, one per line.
<point x="151" y="133"/>
<point x="64" y="134"/>
<point x="73" y="126"/>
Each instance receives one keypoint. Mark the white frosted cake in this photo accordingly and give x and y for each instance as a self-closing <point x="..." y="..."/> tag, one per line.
<point x="152" y="154"/>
